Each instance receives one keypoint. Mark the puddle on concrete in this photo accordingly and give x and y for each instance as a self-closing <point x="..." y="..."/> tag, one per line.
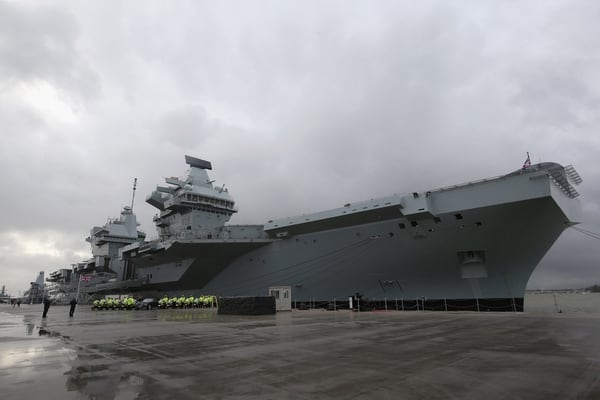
<point x="37" y="361"/>
<point x="106" y="381"/>
<point x="15" y="326"/>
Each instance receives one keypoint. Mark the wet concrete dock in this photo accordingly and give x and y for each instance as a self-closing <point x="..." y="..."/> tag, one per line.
<point x="192" y="354"/>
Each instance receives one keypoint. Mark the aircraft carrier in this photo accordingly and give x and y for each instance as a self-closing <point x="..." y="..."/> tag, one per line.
<point x="464" y="246"/>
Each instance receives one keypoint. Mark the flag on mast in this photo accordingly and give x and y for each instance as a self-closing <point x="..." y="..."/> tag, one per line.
<point x="82" y="278"/>
<point x="527" y="162"/>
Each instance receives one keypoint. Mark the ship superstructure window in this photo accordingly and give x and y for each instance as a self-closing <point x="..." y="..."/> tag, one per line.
<point x="458" y="216"/>
<point x="478" y="223"/>
<point x="401" y="225"/>
<point x="437" y="220"/>
<point x="414" y="224"/>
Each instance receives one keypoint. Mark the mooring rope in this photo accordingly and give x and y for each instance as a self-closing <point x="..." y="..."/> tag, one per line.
<point x="587" y="233"/>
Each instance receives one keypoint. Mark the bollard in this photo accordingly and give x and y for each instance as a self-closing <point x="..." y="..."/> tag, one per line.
<point x="477" y="300"/>
<point x="445" y="305"/>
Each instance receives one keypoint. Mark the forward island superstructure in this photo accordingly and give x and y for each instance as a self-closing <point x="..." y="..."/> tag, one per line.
<point x="194" y="243"/>
<point x="474" y="242"/>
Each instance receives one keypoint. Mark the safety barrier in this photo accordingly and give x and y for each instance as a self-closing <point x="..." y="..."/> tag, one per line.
<point x="420" y="304"/>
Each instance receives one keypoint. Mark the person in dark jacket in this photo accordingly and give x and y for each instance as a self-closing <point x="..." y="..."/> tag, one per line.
<point x="47" y="303"/>
<point x="73" y="304"/>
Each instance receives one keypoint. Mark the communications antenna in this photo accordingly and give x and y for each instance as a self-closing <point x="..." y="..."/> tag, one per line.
<point x="133" y="196"/>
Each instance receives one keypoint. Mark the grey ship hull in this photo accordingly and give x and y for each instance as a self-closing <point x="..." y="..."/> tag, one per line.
<point x="476" y="243"/>
<point x="192" y="265"/>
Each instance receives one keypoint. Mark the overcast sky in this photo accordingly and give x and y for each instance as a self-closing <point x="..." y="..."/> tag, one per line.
<point x="299" y="105"/>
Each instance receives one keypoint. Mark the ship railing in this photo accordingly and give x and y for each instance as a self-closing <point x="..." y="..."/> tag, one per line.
<point x="573" y="175"/>
<point x="559" y="179"/>
<point x="128" y="284"/>
<point x="418" y="304"/>
<point x="465" y="184"/>
<point x="530" y="169"/>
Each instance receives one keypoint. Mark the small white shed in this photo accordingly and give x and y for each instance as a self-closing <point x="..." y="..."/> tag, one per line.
<point x="283" y="297"/>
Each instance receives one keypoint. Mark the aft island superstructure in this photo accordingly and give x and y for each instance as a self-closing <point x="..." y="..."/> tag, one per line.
<point x="105" y="270"/>
<point x="474" y="242"/>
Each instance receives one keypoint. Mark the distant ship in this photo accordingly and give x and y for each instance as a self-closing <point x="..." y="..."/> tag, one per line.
<point x="467" y="246"/>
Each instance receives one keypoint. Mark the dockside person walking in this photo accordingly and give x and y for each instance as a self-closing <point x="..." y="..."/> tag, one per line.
<point x="73" y="304"/>
<point x="47" y="303"/>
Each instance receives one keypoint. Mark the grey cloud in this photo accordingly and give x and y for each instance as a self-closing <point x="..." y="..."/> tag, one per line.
<point x="41" y="43"/>
<point x="185" y="127"/>
<point x="556" y="95"/>
<point x="299" y="106"/>
<point x="17" y="120"/>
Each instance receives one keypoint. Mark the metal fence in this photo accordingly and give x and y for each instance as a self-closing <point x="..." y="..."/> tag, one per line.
<point x="422" y="304"/>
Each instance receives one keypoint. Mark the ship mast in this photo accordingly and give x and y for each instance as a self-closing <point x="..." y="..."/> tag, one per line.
<point x="133" y="196"/>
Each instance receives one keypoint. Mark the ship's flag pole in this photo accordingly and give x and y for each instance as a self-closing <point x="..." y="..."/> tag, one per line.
<point x="81" y="278"/>
<point x="78" y="285"/>
<point x="527" y="162"/>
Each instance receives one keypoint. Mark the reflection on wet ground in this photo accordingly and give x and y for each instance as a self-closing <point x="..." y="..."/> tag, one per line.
<point x="106" y="381"/>
<point x="190" y="354"/>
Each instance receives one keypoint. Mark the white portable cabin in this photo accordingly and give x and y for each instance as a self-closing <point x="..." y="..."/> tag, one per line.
<point x="283" y="297"/>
